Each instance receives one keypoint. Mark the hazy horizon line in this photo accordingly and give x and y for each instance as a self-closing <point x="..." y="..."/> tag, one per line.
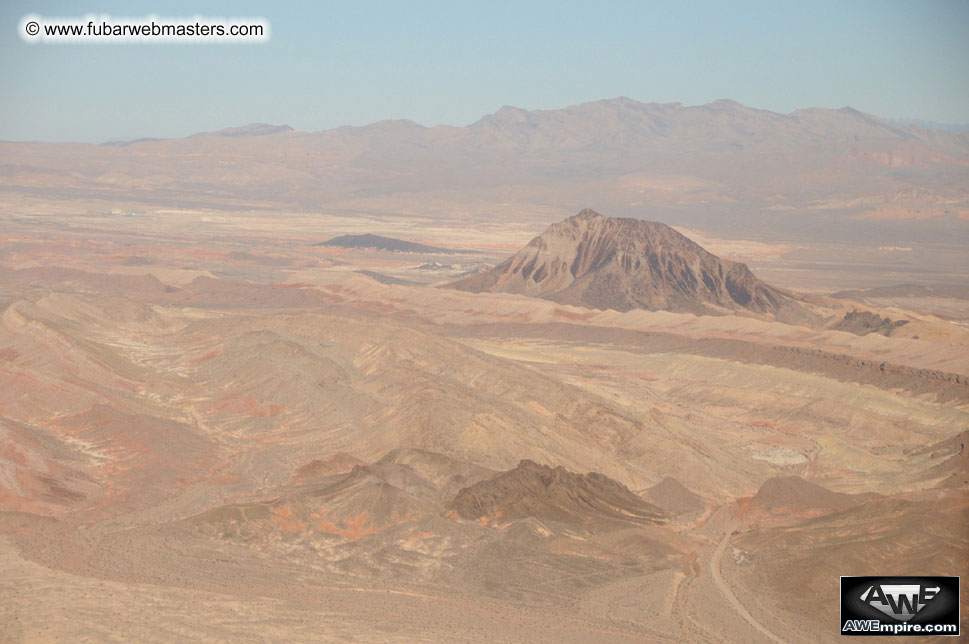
<point x="924" y="124"/>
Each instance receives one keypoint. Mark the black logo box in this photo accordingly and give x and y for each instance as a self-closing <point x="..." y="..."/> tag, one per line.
<point x="941" y="609"/>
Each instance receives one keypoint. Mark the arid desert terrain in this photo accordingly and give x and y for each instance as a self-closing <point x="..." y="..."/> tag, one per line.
<point x="418" y="384"/>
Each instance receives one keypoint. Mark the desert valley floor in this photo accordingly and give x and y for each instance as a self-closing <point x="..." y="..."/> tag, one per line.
<point x="214" y="429"/>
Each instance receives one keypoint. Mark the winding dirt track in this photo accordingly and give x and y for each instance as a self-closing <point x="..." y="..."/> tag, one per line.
<point x="725" y="590"/>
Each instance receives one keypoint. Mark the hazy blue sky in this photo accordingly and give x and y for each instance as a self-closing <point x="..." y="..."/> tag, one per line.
<point x="351" y="63"/>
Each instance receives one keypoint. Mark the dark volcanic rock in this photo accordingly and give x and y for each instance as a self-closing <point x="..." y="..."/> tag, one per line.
<point x="553" y="494"/>
<point x="865" y="322"/>
<point x="623" y="264"/>
<point x="382" y="243"/>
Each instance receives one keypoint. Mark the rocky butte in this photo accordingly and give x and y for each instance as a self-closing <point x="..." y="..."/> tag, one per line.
<point x="608" y="263"/>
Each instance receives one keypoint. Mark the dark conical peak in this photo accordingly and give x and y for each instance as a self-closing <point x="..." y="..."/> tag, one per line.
<point x="602" y="262"/>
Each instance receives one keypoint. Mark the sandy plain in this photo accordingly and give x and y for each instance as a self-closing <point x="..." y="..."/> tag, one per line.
<point x="169" y="376"/>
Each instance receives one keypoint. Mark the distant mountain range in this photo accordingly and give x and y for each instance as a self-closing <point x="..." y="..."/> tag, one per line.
<point x="811" y="173"/>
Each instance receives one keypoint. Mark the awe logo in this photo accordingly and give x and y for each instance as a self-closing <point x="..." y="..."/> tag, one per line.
<point x="895" y="606"/>
<point x="901" y="601"/>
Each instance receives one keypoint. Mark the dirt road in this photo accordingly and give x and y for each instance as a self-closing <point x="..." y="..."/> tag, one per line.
<point x="728" y="594"/>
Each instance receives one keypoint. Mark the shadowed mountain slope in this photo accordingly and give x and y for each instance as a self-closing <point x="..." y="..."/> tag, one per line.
<point x="673" y="496"/>
<point x="793" y="491"/>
